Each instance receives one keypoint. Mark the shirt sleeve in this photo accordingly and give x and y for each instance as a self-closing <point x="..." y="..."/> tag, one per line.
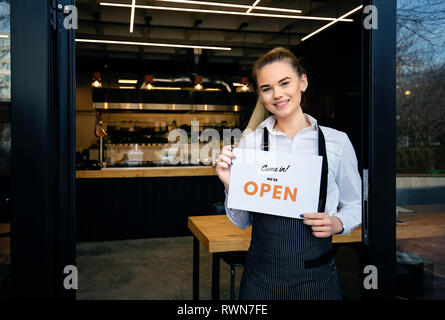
<point x="349" y="185"/>
<point x="240" y="218"/>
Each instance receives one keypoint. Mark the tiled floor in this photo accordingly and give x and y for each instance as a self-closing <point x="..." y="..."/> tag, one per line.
<point x="432" y="251"/>
<point x="162" y="269"/>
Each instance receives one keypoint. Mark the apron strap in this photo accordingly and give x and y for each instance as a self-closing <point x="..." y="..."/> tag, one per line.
<point x="324" y="168"/>
<point x="265" y="145"/>
<point x="324" y="171"/>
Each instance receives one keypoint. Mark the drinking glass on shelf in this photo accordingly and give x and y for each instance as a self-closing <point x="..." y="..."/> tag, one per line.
<point x="131" y="124"/>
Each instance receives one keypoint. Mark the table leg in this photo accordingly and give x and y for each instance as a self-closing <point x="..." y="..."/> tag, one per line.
<point x="195" y="268"/>
<point x="215" y="275"/>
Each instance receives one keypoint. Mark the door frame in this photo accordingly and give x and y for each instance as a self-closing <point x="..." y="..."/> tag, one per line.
<point x="42" y="150"/>
<point x="379" y="148"/>
<point x="43" y="189"/>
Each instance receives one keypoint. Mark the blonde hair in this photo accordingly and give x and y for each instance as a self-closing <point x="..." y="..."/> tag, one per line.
<point x="260" y="113"/>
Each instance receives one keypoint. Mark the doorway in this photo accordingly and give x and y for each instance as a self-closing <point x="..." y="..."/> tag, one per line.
<point x="45" y="212"/>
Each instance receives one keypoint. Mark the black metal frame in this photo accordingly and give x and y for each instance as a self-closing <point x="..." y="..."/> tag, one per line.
<point x="378" y="148"/>
<point x="43" y="149"/>
<point x="43" y="133"/>
<point x="216" y="266"/>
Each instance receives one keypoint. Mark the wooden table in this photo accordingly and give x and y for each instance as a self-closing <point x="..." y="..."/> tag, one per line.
<point x="218" y="234"/>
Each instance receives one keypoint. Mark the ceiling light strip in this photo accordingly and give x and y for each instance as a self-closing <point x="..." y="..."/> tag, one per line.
<point x="282" y="16"/>
<point x="253" y="6"/>
<point x="230" y="5"/>
<point x="148" y="44"/>
<point x="332" y="23"/>
<point x="167" y="88"/>
<point x="133" y="9"/>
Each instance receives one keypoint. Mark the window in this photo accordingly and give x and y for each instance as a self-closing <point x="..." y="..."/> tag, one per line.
<point x="420" y="154"/>
<point x="5" y="87"/>
<point x="5" y="130"/>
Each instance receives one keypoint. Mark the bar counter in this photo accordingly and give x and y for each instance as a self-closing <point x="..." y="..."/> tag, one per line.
<point x="141" y="172"/>
<point x="143" y="202"/>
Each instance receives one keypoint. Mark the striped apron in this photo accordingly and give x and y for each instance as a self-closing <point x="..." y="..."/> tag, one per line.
<point x="285" y="260"/>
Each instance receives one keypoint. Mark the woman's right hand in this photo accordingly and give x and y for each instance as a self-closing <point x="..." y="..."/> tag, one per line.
<point x="224" y="165"/>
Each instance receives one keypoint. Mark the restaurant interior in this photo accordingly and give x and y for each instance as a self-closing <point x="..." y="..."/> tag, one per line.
<point x="134" y="95"/>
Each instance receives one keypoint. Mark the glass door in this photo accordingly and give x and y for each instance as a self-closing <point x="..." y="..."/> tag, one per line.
<point x="420" y="149"/>
<point x="378" y="147"/>
<point x="42" y="152"/>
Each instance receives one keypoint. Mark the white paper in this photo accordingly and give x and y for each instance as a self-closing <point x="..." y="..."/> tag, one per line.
<point x="274" y="183"/>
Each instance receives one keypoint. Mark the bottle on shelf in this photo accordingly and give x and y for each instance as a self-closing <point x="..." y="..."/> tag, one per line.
<point x="163" y="126"/>
<point x="131" y="125"/>
<point x="201" y="125"/>
<point x="206" y="124"/>
<point x="124" y="131"/>
<point x="156" y="126"/>
<point x="222" y="127"/>
<point x="137" y="132"/>
<point x="169" y="125"/>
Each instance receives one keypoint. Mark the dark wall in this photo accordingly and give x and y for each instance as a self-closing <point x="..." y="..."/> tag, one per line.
<point x="180" y="65"/>
<point x="333" y="62"/>
<point x="132" y="208"/>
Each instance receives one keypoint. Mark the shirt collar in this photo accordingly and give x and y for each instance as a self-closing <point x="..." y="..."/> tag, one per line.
<point x="270" y="122"/>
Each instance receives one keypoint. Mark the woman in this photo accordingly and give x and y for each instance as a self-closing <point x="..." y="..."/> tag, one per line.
<point x="291" y="258"/>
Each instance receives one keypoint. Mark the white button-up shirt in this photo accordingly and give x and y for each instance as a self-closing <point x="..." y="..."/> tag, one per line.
<point x="344" y="194"/>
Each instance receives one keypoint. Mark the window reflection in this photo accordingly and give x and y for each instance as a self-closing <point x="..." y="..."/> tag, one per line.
<point x="5" y="87"/>
<point x="5" y="56"/>
<point x="5" y="133"/>
<point x="420" y="153"/>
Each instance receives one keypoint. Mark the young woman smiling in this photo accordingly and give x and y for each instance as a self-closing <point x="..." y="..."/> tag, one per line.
<point x="292" y="258"/>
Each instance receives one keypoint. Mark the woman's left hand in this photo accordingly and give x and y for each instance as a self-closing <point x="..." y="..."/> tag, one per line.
<point x="322" y="224"/>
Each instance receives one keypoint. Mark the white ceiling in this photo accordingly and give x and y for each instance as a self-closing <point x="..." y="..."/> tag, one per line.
<point x="248" y="36"/>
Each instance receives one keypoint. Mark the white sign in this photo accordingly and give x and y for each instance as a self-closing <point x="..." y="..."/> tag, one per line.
<point x="274" y="183"/>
